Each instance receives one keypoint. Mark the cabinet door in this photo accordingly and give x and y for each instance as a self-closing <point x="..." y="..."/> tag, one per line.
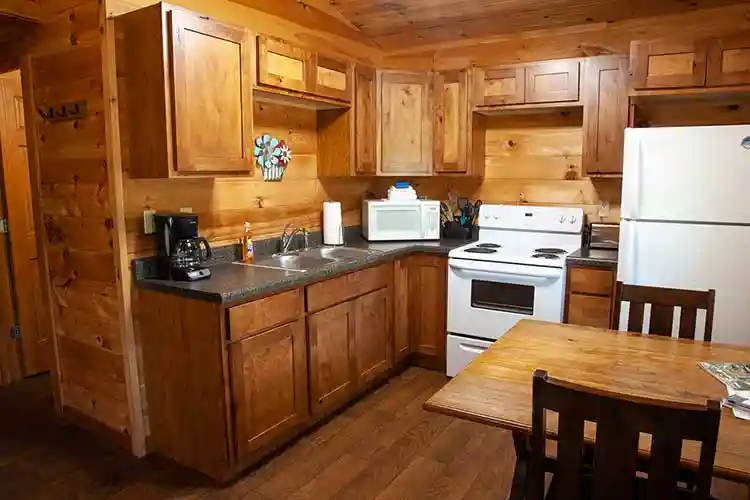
<point x="285" y="66"/>
<point x="372" y="336"/>
<point x="589" y="310"/>
<point x="499" y="86"/>
<point x="332" y="372"/>
<point x="605" y="114"/>
<point x="729" y="60"/>
<point x="406" y="124"/>
<point x="667" y="64"/>
<point x="268" y="374"/>
<point x="212" y="90"/>
<point x="365" y="120"/>
<point x="333" y="78"/>
<point x="428" y="276"/>
<point x="553" y="81"/>
<point x="451" y="122"/>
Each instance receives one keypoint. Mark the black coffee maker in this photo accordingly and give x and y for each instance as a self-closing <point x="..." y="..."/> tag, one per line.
<point x="181" y="252"/>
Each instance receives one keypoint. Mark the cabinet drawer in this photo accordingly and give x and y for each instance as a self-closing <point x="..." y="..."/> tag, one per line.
<point x="593" y="281"/>
<point x="262" y="314"/>
<point x="333" y="291"/>
<point x="586" y="310"/>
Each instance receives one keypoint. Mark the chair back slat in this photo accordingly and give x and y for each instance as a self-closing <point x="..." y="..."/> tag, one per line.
<point x="664" y="469"/>
<point x="620" y="420"/>
<point x="663" y="302"/>
<point x="660" y="322"/>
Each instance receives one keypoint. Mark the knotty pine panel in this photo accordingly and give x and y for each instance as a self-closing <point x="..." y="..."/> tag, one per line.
<point x="223" y="204"/>
<point x="77" y="219"/>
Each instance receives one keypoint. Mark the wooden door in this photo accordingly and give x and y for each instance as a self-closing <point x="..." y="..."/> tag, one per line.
<point x="373" y="339"/>
<point x="365" y="120"/>
<point x="451" y="122"/>
<point x="401" y="337"/>
<point x="605" y="113"/>
<point x="667" y="64"/>
<point x="406" y="123"/>
<point x="212" y="85"/>
<point x="428" y="284"/>
<point x="268" y="373"/>
<point x="333" y="78"/>
<point x="285" y="66"/>
<point x="553" y="81"/>
<point x="332" y="371"/>
<point x="729" y="60"/>
<point x="499" y="86"/>
<point x="10" y="352"/>
<point x="32" y="311"/>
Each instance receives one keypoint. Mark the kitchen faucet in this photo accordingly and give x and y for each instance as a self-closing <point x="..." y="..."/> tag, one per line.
<point x="286" y="239"/>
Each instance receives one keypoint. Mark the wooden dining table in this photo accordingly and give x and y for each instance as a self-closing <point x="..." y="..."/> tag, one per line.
<point x="495" y="388"/>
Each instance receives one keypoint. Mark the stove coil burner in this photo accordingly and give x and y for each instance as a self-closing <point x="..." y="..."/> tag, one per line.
<point x="489" y="245"/>
<point x="480" y="250"/>
<point x="548" y="256"/>
<point x="552" y="251"/>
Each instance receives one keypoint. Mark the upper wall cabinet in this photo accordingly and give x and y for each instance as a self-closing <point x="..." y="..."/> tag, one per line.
<point x="605" y="114"/>
<point x="365" y="121"/>
<point x="531" y="83"/>
<point x="729" y="60"/>
<point x="284" y="66"/>
<point x="406" y="111"/>
<point x="667" y="64"/>
<point x="185" y="93"/>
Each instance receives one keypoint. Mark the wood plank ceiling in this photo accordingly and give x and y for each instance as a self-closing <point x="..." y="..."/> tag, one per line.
<point x="402" y="24"/>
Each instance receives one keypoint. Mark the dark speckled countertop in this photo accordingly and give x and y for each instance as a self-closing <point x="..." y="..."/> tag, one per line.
<point x="232" y="283"/>
<point x="593" y="257"/>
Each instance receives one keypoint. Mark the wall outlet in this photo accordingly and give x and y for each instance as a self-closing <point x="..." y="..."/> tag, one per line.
<point x="186" y="210"/>
<point x="149" y="225"/>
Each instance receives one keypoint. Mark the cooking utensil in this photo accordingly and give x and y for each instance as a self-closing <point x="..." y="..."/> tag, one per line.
<point x="446" y="212"/>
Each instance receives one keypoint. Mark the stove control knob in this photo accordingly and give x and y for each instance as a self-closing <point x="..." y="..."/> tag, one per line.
<point x="486" y="217"/>
<point x="497" y="217"/>
<point x="573" y="220"/>
<point x="562" y="219"/>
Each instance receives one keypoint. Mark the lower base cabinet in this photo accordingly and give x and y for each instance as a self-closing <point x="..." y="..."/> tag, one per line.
<point x="350" y="346"/>
<point x="268" y="374"/>
<point x="427" y="309"/>
<point x="589" y="296"/>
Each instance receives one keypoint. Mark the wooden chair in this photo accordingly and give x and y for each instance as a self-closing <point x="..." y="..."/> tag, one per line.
<point x="619" y="422"/>
<point x="663" y="301"/>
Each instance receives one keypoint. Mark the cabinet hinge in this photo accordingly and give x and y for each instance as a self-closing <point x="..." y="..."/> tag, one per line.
<point x="15" y="332"/>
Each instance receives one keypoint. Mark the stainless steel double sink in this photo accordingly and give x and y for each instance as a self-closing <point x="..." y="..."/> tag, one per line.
<point x="310" y="259"/>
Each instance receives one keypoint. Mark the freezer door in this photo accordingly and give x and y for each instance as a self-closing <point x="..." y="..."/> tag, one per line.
<point x="687" y="174"/>
<point x="694" y="257"/>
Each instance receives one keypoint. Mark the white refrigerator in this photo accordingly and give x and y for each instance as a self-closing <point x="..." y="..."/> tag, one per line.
<point x="686" y="218"/>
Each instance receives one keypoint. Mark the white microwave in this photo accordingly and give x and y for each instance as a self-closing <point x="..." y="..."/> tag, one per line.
<point x="384" y="220"/>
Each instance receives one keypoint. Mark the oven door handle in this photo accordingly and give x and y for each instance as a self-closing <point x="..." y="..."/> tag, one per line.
<point x="497" y="271"/>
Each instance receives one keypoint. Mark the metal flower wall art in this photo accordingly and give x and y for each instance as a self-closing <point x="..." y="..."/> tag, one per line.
<point x="272" y="156"/>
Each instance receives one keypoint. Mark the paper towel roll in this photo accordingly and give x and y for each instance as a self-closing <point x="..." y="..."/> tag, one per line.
<point x="333" y="224"/>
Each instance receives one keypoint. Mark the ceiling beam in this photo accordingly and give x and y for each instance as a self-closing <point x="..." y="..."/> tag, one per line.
<point x="24" y="9"/>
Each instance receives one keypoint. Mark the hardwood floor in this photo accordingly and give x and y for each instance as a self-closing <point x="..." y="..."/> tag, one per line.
<point x="385" y="447"/>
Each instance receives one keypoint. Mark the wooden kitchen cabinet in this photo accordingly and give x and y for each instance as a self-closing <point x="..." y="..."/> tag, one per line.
<point x="333" y="78"/>
<point x="186" y="100"/>
<point x="373" y="343"/>
<point x="605" y="114"/>
<point x="451" y="122"/>
<point x="406" y="110"/>
<point x="499" y="86"/>
<point x="268" y="373"/>
<point x="427" y="305"/>
<point x="590" y="292"/>
<point x="667" y="64"/>
<point x="552" y="81"/>
<point x="365" y="120"/>
<point x="332" y="368"/>
<point x="729" y="60"/>
<point x="285" y="66"/>
<point x="401" y="333"/>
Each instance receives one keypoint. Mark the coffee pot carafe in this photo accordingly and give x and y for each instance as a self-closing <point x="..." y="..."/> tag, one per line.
<point x="187" y="257"/>
<point x="181" y="252"/>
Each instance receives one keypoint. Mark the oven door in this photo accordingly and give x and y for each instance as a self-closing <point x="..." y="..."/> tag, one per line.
<point x="486" y="299"/>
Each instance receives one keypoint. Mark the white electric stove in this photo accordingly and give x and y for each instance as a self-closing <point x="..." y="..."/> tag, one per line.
<point x="515" y="270"/>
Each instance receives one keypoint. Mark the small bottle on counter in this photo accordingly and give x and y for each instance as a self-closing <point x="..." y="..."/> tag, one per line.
<point x="248" y="249"/>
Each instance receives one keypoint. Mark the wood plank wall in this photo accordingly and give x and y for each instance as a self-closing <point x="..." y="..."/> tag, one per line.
<point x="68" y="164"/>
<point x="527" y="157"/>
<point x="223" y="204"/>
